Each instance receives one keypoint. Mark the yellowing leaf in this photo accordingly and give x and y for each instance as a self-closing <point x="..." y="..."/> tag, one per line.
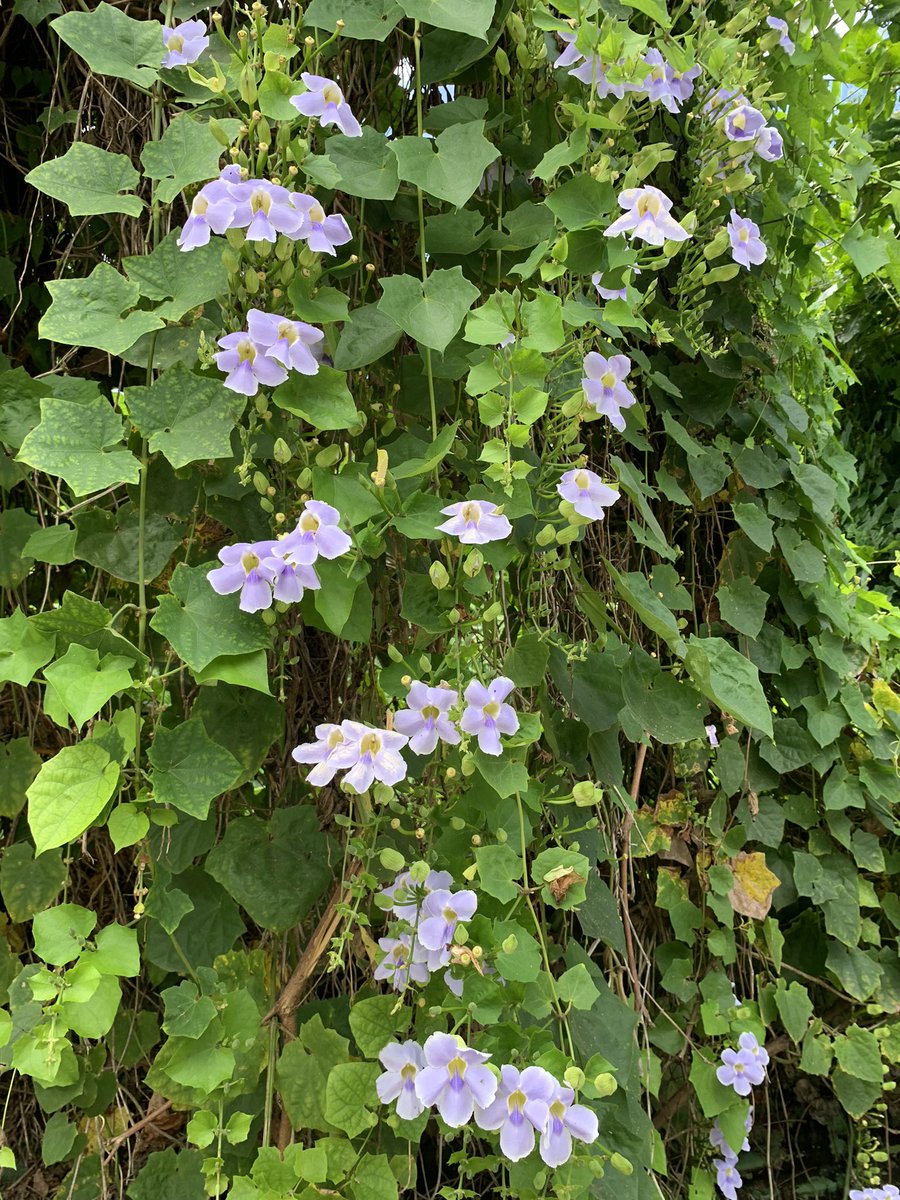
<point x="754" y="885"/>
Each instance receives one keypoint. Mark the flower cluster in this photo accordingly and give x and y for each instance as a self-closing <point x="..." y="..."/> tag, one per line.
<point x="744" y="1068"/>
<point x="523" y="1107"/>
<point x="746" y="126"/>
<point x="728" y="1180"/>
<point x="270" y="346"/>
<point x="264" y="210"/>
<point x="430" y="911"/>
<point x="888" y="1192"/>
<point x="184" y="43"/>
<point x="281" y="568"/>
<point x="663" y="84"/>
<point x="365" y="753"/>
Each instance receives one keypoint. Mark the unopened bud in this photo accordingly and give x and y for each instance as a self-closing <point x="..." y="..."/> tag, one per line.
<point x="391" y="859"/>
<point x="473" y="563"/>
<point x="510" y="944"/>
<point x="574" y="1077"/>
<point x="438" y="575"/>
<point x="605" y="1084"/>
<point x="621" y="1164"/>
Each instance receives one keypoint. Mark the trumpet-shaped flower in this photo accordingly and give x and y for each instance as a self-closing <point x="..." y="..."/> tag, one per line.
<point x="746" y="245"/>
<point x="287" y="341"/>
<point x="648" y="217"/>
<point x="244" y="569"/>
<point x="664" y="85"/>
<point x="408" y="896"/>
<point x="682" y="85"/>
<point x="712" y="735"/>
<point x="454" y="1079"/>
<point x="400" y="963"/>
<point x="604" y="386"/>
<point x="289" y="579"/>
<point x="265" y="209"/>
<point x="317" y="533"/>
<point x="750" y="1046"/>
<point x="769" y="144"/>
<point x="441" y="911"/>
<point x="487" y="716"/>
<point x="323" y="753"/>
<point x="741" y="1070"/>
<point x="728" y="1179"/>
<point x="184" y="43"/>
<point x="587" y="493"/>
<point x="212" y="210"/>
<point x="325" y="100"/>
<point x="566" y="1120"/>
<point x="521" y="1109"/>
<point x="368" y="754"/>
<point x="425" y="720"/>
<point x="246" y="365"/>
<point x="744" y="123"/>
<point x="784" y="41"/>
<point x="475" y="522"/>
<point x="321" y="232"/>
<point x="571" y="54"/>
<point x="402" y="1062"/>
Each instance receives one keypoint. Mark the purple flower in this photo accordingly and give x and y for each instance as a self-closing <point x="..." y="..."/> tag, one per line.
<point x="522" y="1106"/>
<point x="400" y="964"/>
<point x="593" y="72"/>
<point x="425" y="721"/>
<point x="784" y="41"/>
<point x="571" y="54"/>
<point x="440" y="913"/>
<point x="647" y="217"/>
<point x="746" y="245"/>
<point x="408" y="896"/>
<point x="565" y="1121"/>
<point x="244" y="570"/>
<point x="604" y="386"/>
<point x="325" y="100"/>
<point x="658" y="84"/>
<point x="769" y="144"/>
<point x="727" y="1178"/>
<point x="682" y="86"/>
<point x="486" y="714"/>
<point x="246" y="364"/>
<point x="455" y="1079"/>
<point x="212" y="211"/>
<point x="587" y="493"/>
<point x="368" y="754"/>
<point x="265" y="209"/>
<point x="475" y="522"/>
<point x="750" y="1046"/>
<point x="317" y="532"/>
<point x="289" y="579"/>
<point x="611" y="293"/>
<point x="740" y="1070"/>
<point x="287" y="341"/>
<point x="322" y="752"/>
<point x="712" y="735"/>
<point x="402" y="1062"/>
<point x="322" y="233"/>
<point x="744" y="123"/>
<point x="184" y="44"/>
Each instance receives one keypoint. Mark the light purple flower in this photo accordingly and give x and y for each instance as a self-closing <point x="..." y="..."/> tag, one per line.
<point x="265" y="209"/>
<point x="440" y="913"/>
<point x="746" y="245"/>
<point x="317" y="533"/>
<point x="664" y="85"/>
<point x="325" y="100"/>
<point x="402" y="1062"/>
<point x="322" y="752"/>
<point x="608" y="293"/>
<point x="287" y="341"/>
<point x="244" y="570"/>
<point x="322" y="233"/>
<point x="408" y="896"/>
<point x="890" y="1192"/>
<point x="565" y="1121"/>
<point x="682" y="86"/>
<point x="212" y="211"/>
<point x="425" y="720"/>
<point x="712" y="735"/>
<point x="647" y="217"/>
<point x="727" y="1178"/>
<point x="521" y="1107"/>
<point x="184" y="44"/>
<point x="455" y="1079"/>
<point x="769" y="144"/>
<point x="400" y="964"/>
<point x="368" y="754"/>
<point x="289" y="579"/>
<point x="486" y="714"/>
<point x="750" y="1046"/>
<point x="744" y="123"/>
<point x="571" y="54"/>
<point x="475" y="522"/>
<point x="246" y="365"/>
<point x="740" y="1071"/>
<point x="509" y="340"/>
<point x="587" y="493"/>
<point x="604" y="386"/>
<point x="593" y="73"/>
<point x="784" y="41"/>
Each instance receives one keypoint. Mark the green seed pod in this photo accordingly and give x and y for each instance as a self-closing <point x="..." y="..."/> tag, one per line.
<point x="574" y="404"/>
<point x="247" y="84"/>
<point x="304" y="479"/>
<point x="438" y="575"/>
<point x="393" y="653"/>
<point x="492" y="612"/>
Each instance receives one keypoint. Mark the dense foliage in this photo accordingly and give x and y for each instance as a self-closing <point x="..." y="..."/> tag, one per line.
<point x="448" y="630"/>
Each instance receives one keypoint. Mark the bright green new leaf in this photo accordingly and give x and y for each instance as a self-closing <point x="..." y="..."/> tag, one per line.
<point x="186" y="417"/>
<point x="576" y="987"/>
<point x="449" y="166"/>
<point x="55" y="545"/>
<point x="794" y="1007"/>
<point x="323" y="399"/>
<point x="431" y="313"/>
<point x="189" y="769"/>
<point x="186" y="153"/>
<point x="82" y="682"/>
<point x="24" y="649"/>
<point x="89" y="180"/>
<point x="88" y="312"/>
<point x="116" y="951"/>
<point x="472" y="17"/>
<point x="70" y="792"/>
<point x="112" y="43"/>
<point x="60" y="933"/>
<point x="127" y="824"/>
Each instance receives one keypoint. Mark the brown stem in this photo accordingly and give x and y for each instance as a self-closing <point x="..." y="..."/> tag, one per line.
<point x="623" y="878"/>
<point x="136" y="1128"/>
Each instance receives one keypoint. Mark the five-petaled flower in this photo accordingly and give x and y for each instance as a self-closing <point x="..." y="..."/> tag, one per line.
<point x="648" y="217"/>
<point x="184" y="43"/>
<point x="317" y="533"/>
<point x="784" y="41"/>
<point x="604" y="386"/>
<point x="475" y="522"/>
<point x="425" y="720"/>
<point x="323" y="753"/>
<point x="520" y="1110"/>
<point x="244" y="570"/>
<point x="747" y="248"/>
<point x="769" y="144"/>
<point x="441" y="911"/>
<point x="401" y="962"/>
<point x="402" y="1062"/>
<point x="246" y="365"/>
<point x="325" y="100"/>
<point x="287" y="341"/>
<point x="728" y="1179"/>
<point x="487" y="716"/>
<point x="322" y="232"/>
<point x="744" y="123"/>
<point x="565" y="1121"/>
<point x="587" y="493"/>
<point x="744" y="1068"/>
<point x="455" y="1079"/>
<point x="264" y="209"/>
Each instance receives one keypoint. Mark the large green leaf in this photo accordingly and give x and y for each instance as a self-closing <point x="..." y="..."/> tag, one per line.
<point x="189" y="769"/>
<point x="70" y="792"/>
<point x="29" y="884"/>
<point x="367" y="336"/>
<point x="431" y="313"/>
<point x="323" y="399"/>
<point x="24" y="649"/>
<point x="472" y="17"/>
<point x="109" y="540"/>
<point x="80" y="683"/>
<point x="18" y="766"/>
<point x="367" y="20"/>
<point x="88" y="312"/>
<point x="112" y="43"/>
<point x="82" y="443"/>
<point x="186" y="153"/>
<point x="89" y="180"/>
<point x="367" y="166"/>
<point x="729" y="680"/>
<point x="200" y="624"/>
<point x="186" y="417"/>
<point x="449" y="166"/>
<point x="181" y="281"/>
<point x="302" y="1073"/>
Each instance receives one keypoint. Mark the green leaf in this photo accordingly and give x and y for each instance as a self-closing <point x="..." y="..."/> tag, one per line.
<point x="374" y="1022"/>
<point x="805" y="560"/>
<point x="506" y="775"/>
<point x="581" y="202"/>
<point x="189" y="769"/>
<point x="499" y="867"/>
<point x="743" y="605"/>
<point x="70" y="792"/>
<point x="431" y="313"/>
<point x="112" y="43"/>
<point x="127" y="825"/>
<point x="60" y="933"/>
<point x="576" y="987"/>
<point x="367" y="336"/>
<point x="856" y="1095"/>
<point x="54" y="545"/>
<point x="302" y="1074"/>
<point x="29" y="884"/>
<point x="82" y="443"/>
<point x="181" y="281"/>
<point x="350" y="1088"/>
<point x="207" y="929"/>
<point x="110" y="541"/>
<point x="754" y="522"/>
<point x="202" y="625"/>
<point x="276" y="869"/>
<point x="89" y="180"/>
<point x="669" y="709"/>
<point x="411" y="468"/>
<point x="322" y="306"/>
<point x="636" y="591"/>
<point x="59" y="1139"/>
<point x="473" y="17"/>
<point x="526" y="663"/>
<point x="655" y="9"/>
<point x="170" y="1175"/>
<point x="859" y="1053"/>
<point x="867" y="251"/>
<point x="88" y="312"/>
<point x="187" y="152"/>
<point x="116" y="952"/>
<point x="794" y="1007"/>
<point x="186" y="417"/>
<point x="373" y="1179"/>
<point x="367" y="20"/>
<point x="449" y="166"/>
<point x="82" y="682"/>
<point x="275" y="93"/>
<point x="729" y="680"/>
<point x="561" y="875"/>
<point x="323" y="399"/>
<point x="24" y="649"/>
<point x="18" y="767"/>
<point x="244" y="670"/>
<point x="187" y="1013"/>
<point x="367" y="165"/>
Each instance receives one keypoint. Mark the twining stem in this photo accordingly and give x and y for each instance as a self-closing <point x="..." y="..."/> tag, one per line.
<point x="420" y="129"/>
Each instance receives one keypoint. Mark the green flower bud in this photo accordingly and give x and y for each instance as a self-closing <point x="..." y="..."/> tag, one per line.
<point x="467" y="766"/>
<point x="419" y="871"/>
<point x="393" y="653"/>
<point x="437" y="573"/>
<point x="391" y="859"/>
<point x="260" y="482"/>
<point x="510" y="945"/>
<point x="621" y="1164"/>
<point x="282" y="451"/>
<point x="218" y="132"/>
<point x="329" y="457"/>
<point x="492" y="612"/>
<point x="545" y="535"/>
<point x="473" y="563"/>
<point x="502" y="61"/>
<point x="583" y="793"/>
<point x="605" y="1084"/>
<point x="251" y="282"/>
<point x="574" y="404"/>
<point x="574" y="1077"/>
<point x="304" y="479"/>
